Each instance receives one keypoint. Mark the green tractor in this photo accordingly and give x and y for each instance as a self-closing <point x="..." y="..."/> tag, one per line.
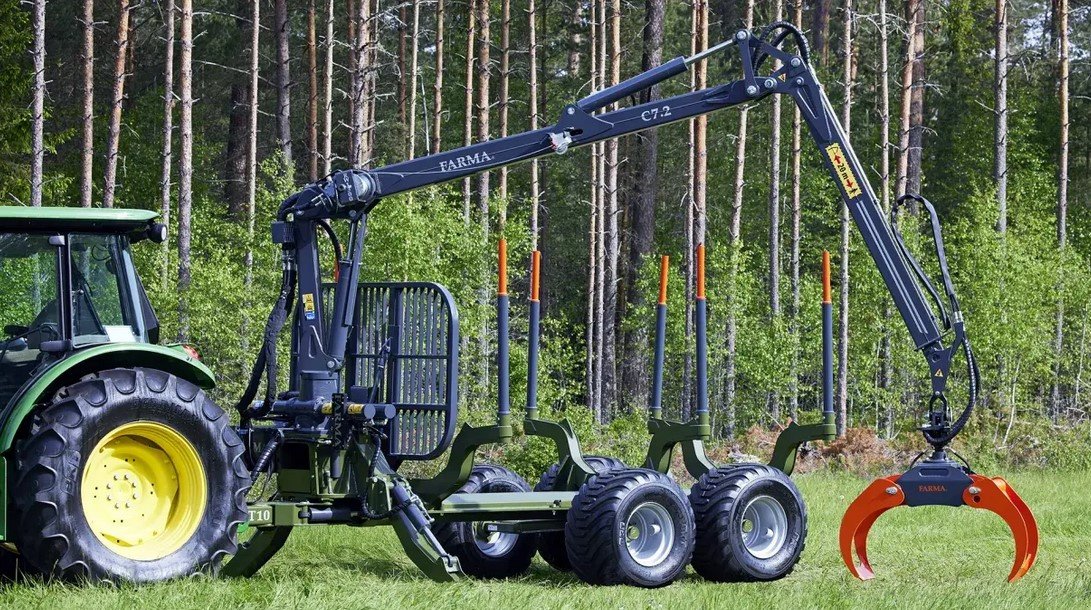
<point x="116" y="463"/>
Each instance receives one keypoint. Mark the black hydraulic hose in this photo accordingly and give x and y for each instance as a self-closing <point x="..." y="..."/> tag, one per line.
<point x="914" y="265"/>
<point x="267" y="358"/>
<point x="328" y="230"/>
<point x="787" y="29"/>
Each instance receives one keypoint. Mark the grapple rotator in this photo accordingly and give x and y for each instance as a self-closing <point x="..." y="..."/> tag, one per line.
<point x="939" y="480"/>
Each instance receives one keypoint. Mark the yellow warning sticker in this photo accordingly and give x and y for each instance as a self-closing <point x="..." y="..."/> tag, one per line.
<point x="939" y="372"/>
<point x="844" y="172"/>
<point x="308" y="306"/>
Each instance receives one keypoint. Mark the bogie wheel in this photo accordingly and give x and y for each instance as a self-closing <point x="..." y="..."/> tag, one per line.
<point x="129" y="475"/>
<point x="551" y="544"/>
<point x="631" y="526"/>
<point x="485" y="554"/>
<point x="751" y="523"/>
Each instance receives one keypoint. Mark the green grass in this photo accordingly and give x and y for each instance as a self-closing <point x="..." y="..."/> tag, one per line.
<point x="924" y="558"/>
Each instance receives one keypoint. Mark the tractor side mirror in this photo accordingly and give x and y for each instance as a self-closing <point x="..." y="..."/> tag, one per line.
<point x="157" y="232"/>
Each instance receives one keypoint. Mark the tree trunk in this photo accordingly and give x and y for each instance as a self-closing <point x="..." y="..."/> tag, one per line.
<point x="413" y="68"/>
<point x="600" y="254"/>
<point x="437" y="87"/>
<point x="1062" y="203"/>
<point x="535" y="185"/>
<point x="634" y="376"/>
<point x="484" y="73"/>
<point x="235" y="167"/>
<point x="88" y="145"/>
<point x="907" y="99"/>
<point x="37" y="108"/>
<point x="468" y="124"/>
<point x="252" y="128"/>
<point x="168" y="137"/>
<point x="1000" y="159"/>
<point x="327" y="93"/>
<point x="916" y="100"/>
<point x="234" y="176"/>
<point x="774" y="215"/>
<point x="843" y="309"/>
<point x="284" y="84"/>
<point x="736" y="252"/>
<point x="613" y="236"/>
<point x="401" y="63"/>
<point x="185" y="169"/>
<point x="575" y="38"/>
<point x="502" y="104"/>
<point x="312" y="98"/>
<point x="352" y="15"/>
<point x="797" y="211"/>
<point x="113" y="133"/>
<point x="885" y="364"/>
<point x="821" y="34"/>
<point x="361" y="94"/>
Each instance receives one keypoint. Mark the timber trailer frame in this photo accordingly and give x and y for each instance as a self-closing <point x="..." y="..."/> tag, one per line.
<point x="320" y="425"/>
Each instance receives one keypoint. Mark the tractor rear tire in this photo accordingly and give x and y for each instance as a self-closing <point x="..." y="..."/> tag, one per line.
<point x="751" y="524"/>
<point x="130" y="475"/>
<point x="551" y="544"/>
<point x="631" y="526"/>
<point x="482" y="554"/>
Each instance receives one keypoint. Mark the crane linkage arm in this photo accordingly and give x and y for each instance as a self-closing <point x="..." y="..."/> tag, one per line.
<point x="348" y="193"/>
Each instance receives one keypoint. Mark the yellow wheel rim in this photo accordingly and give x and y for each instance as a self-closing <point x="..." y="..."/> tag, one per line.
<point x="143" y="490"/>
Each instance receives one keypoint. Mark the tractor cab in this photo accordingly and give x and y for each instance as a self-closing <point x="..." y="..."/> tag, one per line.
<point x="68" y="282"/>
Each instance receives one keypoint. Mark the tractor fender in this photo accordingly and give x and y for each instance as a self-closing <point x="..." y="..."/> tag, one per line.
<point x="170" y="359"/>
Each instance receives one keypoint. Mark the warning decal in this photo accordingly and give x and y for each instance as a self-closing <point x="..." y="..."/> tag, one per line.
<point x="844" y="172"/>
<point x="308" y="306"/>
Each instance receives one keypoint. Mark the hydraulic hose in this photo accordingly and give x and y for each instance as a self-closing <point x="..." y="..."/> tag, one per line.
<point x="267" y="357"/>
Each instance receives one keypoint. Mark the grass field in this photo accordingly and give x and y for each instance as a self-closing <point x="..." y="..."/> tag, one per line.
<point x="924" y="558"/>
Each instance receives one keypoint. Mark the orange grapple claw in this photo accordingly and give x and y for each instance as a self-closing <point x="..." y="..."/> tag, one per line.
<point x="997" y="496"/>
<point x="882" y="495"/>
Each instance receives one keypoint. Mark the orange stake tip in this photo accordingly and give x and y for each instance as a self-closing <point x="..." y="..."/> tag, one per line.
<point x="535" y="271"/>
<point x="827" y="291"/>
<point x="502" y="286"/>
<point x="664" y="272"/>
<point x="701" y="271"/>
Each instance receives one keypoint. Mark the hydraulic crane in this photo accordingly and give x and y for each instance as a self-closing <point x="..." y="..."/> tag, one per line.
<point x="322" y="330"/>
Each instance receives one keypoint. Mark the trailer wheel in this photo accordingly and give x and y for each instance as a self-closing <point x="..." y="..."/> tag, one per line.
<point x="751" y="523"/>
<point x="631" y="526"/>
<point x="111" y="485"/>
<point x="483" y="554"/>
<point x="551" y="544"/>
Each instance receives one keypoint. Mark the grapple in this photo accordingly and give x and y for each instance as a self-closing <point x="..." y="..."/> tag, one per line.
<point x="939" y="480"/>
<point x="944" y="482"/>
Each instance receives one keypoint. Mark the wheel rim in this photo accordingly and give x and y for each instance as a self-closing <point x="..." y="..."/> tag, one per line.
<point x="649" y="534"/>
<point x="493" y="544"/>
<point x="764" y="527"/>
<point x="143" y="490"/>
